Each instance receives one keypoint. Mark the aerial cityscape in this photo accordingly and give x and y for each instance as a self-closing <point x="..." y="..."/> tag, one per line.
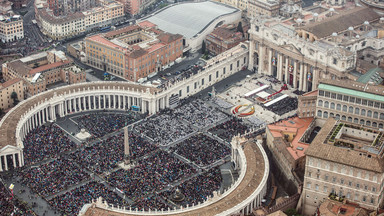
<point x="192" y="107"/>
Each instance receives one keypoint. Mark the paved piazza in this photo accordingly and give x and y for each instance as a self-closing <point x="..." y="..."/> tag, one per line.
<point x="187" y="149"/>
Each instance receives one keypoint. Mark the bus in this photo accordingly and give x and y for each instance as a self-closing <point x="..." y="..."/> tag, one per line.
<point x="105" y="29"/>
<point x="135" y="108"/>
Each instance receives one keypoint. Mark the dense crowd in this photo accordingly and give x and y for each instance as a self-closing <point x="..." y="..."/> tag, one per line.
<point x="229" y="129"/>
<point x="45" y="142"/>
<point x="100" y="124"/>
<point x="72" y="201"/>
<point x="150" y="203"/>
<point x="199" y="113"/>
<point x="283" y="106"/>
<point x="163" y="129"/>
<point x="149" y="175"/>
<point x="11" y="205"/>
<point x="53" y="177"/>
<point x="107" y="154"/>
<point x="201" y="149"/>
<point x="197" y="189"/>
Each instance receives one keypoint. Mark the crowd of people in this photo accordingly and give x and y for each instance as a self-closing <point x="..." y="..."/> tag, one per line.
<point x="53" y="177"/>
<point x="72" y="201"/>
<point x="197" y="189"/>
<point x="149" y="175"/>
<point x="151" y="203"/>
<point x="107" y="154"/>
<point x="10" y="205"/>
<point x="283" y="106"/>
<point x="100" y="124"/>
<point x="201" y="149"/>
<point x="229" y="129"/>
<point x="163" y="129"/>
<point x="199" y="114"/>
<point x="45" y="142"/>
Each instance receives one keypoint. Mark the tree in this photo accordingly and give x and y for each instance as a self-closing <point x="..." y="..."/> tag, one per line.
<point x="14" y="97"/>
<point x="240" y="28"/>
<point x="291" y="212"/>
<point x="203" y="48"/>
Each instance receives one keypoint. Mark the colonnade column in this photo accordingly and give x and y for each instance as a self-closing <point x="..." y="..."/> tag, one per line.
<point x="315" y="76"/>
<point x="286" y="70"/>
<point x="305" y="79"/>
<point x="261" y="59"/>
<point x="251" y="55"/>
<point x="295" y="75"/>
<point x="280" y="67"/>
<point x="270" y="62"/>
<point x="301" y="76"/>
<point x="125" y="102"/>
<point x="14" y="160"/>
<point x="104" y="101"/>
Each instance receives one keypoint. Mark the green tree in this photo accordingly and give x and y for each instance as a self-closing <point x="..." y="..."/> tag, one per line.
<point x="203" y="48"/>
<point x="14" y="97"/>
<point x="291" y="212"/>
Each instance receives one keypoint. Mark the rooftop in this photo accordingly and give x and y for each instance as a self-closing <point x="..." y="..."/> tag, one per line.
<point x="189" y="19"/>
<point x="9" y="83"/>
<point x="334" y="208"/>
<point x="372" y="76"/>
<point x="343" y="155"/>
<point x="294" y="128"/>
<point x="351" y="92"/>
<point x="342" y="22"/>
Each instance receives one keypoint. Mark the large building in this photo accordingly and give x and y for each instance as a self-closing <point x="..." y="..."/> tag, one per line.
<point x="7" y="89"/>
<point x="43" y="69"/>
<point x="194" y="20"/>
<point x="344" y="161"/>
<point x="133" y="52"/>
<point x="107" y="13"/>
<point x="135" y="7"/>
<point x="301" y="51"/>
<point x="11" y="28"/>
<point x="224" y="38"/>
<point x="287" y="140"/>
<point x="351" y="101"/>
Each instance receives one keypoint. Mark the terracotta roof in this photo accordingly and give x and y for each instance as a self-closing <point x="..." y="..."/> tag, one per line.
<point x="294" y="125"/>
<point x="18" y="66"/>
<point x="137" y="53"/>
<point x="122" y="30"/>
<point x="155" y="47"/>
<point x="58" y="19"/>
<point x="146" y="24"/>
<point x="168" y="37"/>
<point x="309" y="94"/>
<point x="341" y="22"/>
<point x="10" y="82"/>
<point x="341" y="155"/>
<point x="101" y="40"/>
<point x="48" y="66"/>
<point x="333" y="208"/>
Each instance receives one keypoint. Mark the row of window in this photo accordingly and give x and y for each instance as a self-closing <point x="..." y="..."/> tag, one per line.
<point x="350" y="109"/>
<point x="325" y="114"/>
<point x="340" y="193"/>
<point x="351" y="99"/>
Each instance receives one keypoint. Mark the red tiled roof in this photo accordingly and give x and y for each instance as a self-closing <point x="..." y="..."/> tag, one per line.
<point x="48" y="66"/>
<point x="10" y="82"/>
<point x="298" y="127"/>
<point x="101" y="40"/>
<point x="155" y="47"/>
<point x="146" y="24"/>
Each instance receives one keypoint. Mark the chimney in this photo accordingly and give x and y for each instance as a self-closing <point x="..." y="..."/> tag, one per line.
<point x="382" y="20"/>
<point x="331" y="11"/>
<point x="350" y="29"/>
<point x="366" y="24"/>
<point x="334" y="35"/>
<point x="315" y="16"/>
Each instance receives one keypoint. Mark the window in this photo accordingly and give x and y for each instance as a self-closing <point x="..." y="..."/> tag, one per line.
<point x="224" y="70"/>
<point x="369" y="113"/>
<point x="309" y="185"/>
<point x="334" y="179"/>
<point x="321" y="93"/>
<point x="332" y="105"/>
<point x="316" y="187"/>
<point x="309" y="174"/>
<point x="358" y="100"/>
<point x="357" y="185"/>
<point x="346" y="98"/>
<point x="338" y="107"/>
<point x="350" y="184"/>
<point x="326" y="104"/>
<point x="217" y="74"/>
<point x="320" y="103"/>
<point x="363" y="112"/>
<point x="326" y="178"/>
<point x="357" y="111"/>
<point x="365" y="187"/>
<point x="341" y="181"/>
<point x="325" y="189"/>
<point x="339" y="97"/>
<point x="319" y="113"/>
<point x="345" y="108"/>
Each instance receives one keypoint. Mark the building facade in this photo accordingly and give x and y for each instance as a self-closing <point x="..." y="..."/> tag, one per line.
<point x="65" y="26"/>
<point x="133" y="52"/>
<point x="6" y="90"/>
<point x="41" y="70"/>
<point x="11" y="28"/>
<point x="300" y="52"/>
<point x="263" y="7"/>
<point x="350" y="101"/>
<point x="344" y="162"/>
<point x="224" y="38"/>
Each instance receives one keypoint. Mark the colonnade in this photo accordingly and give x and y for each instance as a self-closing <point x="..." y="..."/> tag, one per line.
<point x="291" y="70"/>
<point x="11" y="159"/>
<point x="89" y="102"/>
